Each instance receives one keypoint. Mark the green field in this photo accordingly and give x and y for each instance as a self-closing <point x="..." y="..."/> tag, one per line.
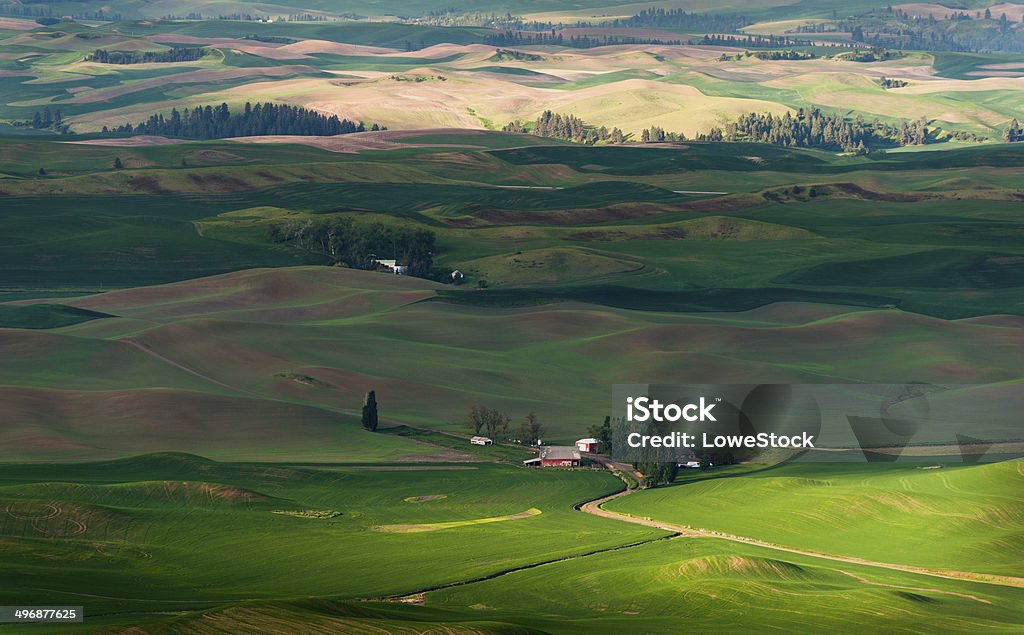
<point x="178" y="531"/>
<point x="305" y="344"/>
<point x="949" y="518"/>
<point x="178" y="542"/>
<point x="904" y="230"/>
<point x="704" y="584"/>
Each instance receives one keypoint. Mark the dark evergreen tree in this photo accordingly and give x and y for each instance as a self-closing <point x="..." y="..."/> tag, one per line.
<point x="603" y="433"/>
<point x="1013" y="132"/>
<point x="370" y="411"/>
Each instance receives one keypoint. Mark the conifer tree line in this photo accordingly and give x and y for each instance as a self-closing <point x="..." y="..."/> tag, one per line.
<point x="48" y="118"/>
<point x="815" y="129"/>
<point x="568" y="127"/>
<point x="176" y="54"/>
<point x="218" y="122"/>
<point x="657" y="134"/>
<point x="787" y="54"/>
<point x="807" y="128"/>
<point x="753" y="41"/>
<point x="681" y="19"/>
<point x="961" y="31"/>
<point x="556" y="38"/>
<point x="660" y="18"/>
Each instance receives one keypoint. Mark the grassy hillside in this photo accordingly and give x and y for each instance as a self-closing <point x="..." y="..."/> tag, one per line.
<point x="415" y="76"/>
<point x="696" y="227"/>
<point x="706" y="583"/>
<point x="303" y="345"/>
<point x="164" y="531"/>
<point x="131" y="530"/>
<point x="956" y="517"/>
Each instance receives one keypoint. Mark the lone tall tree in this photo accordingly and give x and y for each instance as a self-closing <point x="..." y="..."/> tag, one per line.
<point x="531" y="430"/>
<point x="370" y="411"/>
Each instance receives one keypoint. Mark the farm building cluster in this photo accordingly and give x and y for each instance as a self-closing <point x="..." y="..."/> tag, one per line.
<point x="553" y="455"/>
<point x="563" y="455"/>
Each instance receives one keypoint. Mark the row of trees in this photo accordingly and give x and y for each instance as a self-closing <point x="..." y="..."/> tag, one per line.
<point x="568" y="127"/>
<point x="358" y="245"/>
<point x="657" y="134"/>
<point x="176" y="54"/>
<point x="808" y="128"/>
<point x="45" y="12"/>
<point x="557" y="38"/>
<point x="647" y="18"/>
<point x="218" y="122"/>
<point x="815" y="129"/>
<point x="681" y="19"/>
<point x="753" y="41"/>
<point x="258" y="17"/>
<point x="496" y="425"/>
<point x="48" y="118"/>
<point x="786" y="54"/>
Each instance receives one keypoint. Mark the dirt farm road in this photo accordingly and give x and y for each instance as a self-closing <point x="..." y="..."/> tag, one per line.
<point x="595" y="508"/>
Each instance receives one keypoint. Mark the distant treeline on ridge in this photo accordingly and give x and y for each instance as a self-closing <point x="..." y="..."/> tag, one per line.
<point x="218" y="122"/>
<point x="555" y="38"/>
<point x="807" y="128"/>
<point x="176" y="54"/>
<point x="646" y="18"/>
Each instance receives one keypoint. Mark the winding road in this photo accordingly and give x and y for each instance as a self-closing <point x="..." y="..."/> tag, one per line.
<point x="595" y="507"/>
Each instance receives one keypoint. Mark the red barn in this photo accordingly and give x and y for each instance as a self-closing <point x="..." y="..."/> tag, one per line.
<point x="559" y="456"/>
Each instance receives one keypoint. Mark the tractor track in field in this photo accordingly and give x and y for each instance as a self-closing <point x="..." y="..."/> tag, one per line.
<point x="131" y="341"/>
<point x="595" y="507"/>
<point x="416" y="597"/>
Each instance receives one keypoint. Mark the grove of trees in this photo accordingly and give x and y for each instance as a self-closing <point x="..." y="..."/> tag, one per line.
<point x="568" y="127"/>
<point x="489" y="420"/>
<point x="176" y="54"/>
<point x="219" y="122"/>
<point x="962" y="31"/>
<point x="357" y="245"/>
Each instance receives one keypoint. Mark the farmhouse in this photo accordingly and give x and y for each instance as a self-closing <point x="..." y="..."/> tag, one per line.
<point x="555" y="456"/>
<point x="687" y="459"/>
<point x="393" y="267"/>
<point x="481" y="441"/>
<point x="587" y="445"/>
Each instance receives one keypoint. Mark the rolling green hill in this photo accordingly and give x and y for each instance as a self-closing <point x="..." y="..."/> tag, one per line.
<point x="303" y="345"/>
<point x="631" y="227"/>
<point x="955" y="517"/>
<point x="172" y="530"/>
